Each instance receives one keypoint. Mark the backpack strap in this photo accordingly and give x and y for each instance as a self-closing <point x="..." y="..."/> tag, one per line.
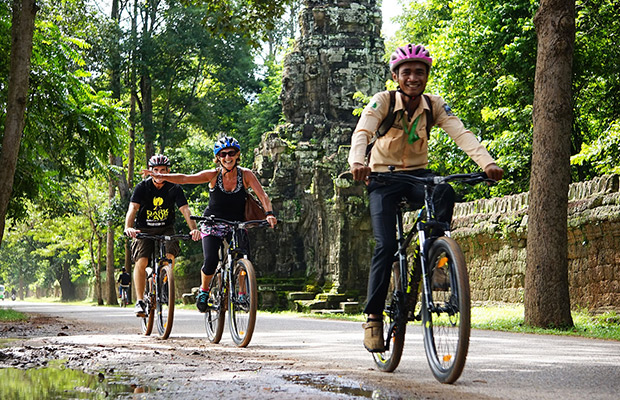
<point x="386" y="124"/>
<point x="430" y="121"/>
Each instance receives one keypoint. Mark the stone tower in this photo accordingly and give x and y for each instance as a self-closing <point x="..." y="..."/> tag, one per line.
<point x="324" y="231"/>
<point x="339" y="53"/>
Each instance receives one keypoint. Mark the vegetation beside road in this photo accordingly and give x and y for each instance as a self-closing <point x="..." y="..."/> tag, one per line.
<point x="510" y="318"/>
<point x="11" y="315"/>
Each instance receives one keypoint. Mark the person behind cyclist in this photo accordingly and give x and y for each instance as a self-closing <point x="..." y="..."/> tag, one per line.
<point x="405" y="147"/>
<point x="151" y="209"/>
<point x="124" y="280"/>
<point x="227" y="195"/>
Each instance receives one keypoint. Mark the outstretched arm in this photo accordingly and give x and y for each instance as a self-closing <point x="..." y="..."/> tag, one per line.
<point x="199" y="177"/>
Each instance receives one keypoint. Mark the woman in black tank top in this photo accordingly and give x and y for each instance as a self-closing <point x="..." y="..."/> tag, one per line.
<point x="227" y="197"/>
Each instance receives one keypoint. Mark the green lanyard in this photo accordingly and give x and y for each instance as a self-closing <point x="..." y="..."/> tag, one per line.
<point x="411" y="133"/>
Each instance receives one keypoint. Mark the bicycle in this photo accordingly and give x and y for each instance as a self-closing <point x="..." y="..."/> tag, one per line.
<point x="124" y="295"/>
<point x="434" y="264"/>
<point x="159" y="295"/>
<point x="233" y="286"/>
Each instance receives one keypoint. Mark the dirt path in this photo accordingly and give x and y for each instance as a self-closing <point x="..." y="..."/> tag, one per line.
<point x="187" y="368"/>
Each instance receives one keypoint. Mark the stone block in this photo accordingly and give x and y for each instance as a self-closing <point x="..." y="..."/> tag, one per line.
<point x="301" y="296"/>
<point x="350" y="307"/>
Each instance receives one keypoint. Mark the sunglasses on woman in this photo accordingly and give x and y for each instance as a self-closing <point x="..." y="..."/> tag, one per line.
<point x="231" y="153"/>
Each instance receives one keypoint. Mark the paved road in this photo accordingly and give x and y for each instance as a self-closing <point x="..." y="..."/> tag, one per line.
<point x="499" y="365"/>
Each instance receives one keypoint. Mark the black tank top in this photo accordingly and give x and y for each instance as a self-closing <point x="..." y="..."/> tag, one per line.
<point x="227" y="205"/>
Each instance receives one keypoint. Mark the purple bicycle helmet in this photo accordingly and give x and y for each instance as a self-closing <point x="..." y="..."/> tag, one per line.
<point x="225" y="142"/>
<point x="410" y="52"/>
<point x="159" y="159"/>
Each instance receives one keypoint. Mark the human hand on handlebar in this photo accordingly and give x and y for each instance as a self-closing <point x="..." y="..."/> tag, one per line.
<point x="272" y="220"/>
<point x="360" y="172"/>
<point x="131" y="232"/>
<point x="494" y="172"/>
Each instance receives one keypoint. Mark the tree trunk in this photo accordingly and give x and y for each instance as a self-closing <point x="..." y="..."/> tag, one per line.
<point x="110" y="261"/>
<point x="67" y="288"/>
<point x="99" y="258"/>
<point x="547" y="301"/>
<point x="24" y="12"/>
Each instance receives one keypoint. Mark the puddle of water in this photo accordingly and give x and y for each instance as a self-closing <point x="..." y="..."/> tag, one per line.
<point x="58" y="382"/>
<point x="330" y="385"/>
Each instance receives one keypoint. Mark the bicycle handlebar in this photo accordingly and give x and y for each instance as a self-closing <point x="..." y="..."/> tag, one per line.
<point x="241" y="224"/>
<point x="471" y="178"/>
<point x="182" y="236"/>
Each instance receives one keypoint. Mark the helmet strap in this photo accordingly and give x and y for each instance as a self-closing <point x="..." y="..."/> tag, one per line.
<point x="412" y="103"/>
<point x="228" y="170"/>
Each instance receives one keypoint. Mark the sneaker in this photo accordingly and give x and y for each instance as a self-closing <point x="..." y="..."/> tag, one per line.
<point x="201" y="301"/>
<point x="243" y="297"/>
<point x="439" y="280"/>
<point x="140" y="309"/>
<point x="373" y="336"/>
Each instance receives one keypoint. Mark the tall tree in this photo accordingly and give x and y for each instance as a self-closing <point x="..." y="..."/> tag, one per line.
<point x="24" y="12"/>
<point x="547" y="301"/>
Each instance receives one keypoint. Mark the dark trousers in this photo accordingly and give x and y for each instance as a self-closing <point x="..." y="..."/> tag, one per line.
<point x="210" y="250"/>
<point x="384" y="199"/>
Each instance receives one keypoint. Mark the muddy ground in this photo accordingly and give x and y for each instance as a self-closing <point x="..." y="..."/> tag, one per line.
<point x="188" y="368"/>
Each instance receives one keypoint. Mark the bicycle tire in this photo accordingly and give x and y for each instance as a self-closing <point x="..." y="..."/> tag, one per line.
<point x="149" y="298"/>
<point x="394" y="326"/>
<point x="216" y="309"/>
<point x="165" y="301"/>
<point x="446" y="331"/>
<point x="123" y="298"/>
<point x="242" y="302"/>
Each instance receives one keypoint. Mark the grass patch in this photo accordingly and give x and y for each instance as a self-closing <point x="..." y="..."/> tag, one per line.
<point x="510" y="318"/>
<point x="12" y="315"/>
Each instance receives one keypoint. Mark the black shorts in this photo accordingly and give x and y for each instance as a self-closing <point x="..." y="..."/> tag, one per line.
<point x="144" y="247"/>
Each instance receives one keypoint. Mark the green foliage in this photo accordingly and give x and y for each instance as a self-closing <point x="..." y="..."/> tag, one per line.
<point x="70" y="127"/>
<point x="254" y="19"/>
<point x="602" y="154"/>
<point x="261" y="115"/>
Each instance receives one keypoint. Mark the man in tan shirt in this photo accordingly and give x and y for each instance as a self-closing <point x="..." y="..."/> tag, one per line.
<point x="405" y="147"/>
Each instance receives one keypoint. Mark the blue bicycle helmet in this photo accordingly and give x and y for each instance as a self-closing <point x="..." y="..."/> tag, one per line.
<point x="225" y="143"/>
<point x="159" y="159"/>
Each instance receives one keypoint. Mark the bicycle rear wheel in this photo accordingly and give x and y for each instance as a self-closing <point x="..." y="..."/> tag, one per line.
<point x="149" y="299"/>
<point x="165" y="301"/>
<point x="124" y="298"/>
<point x="394" y="325"/>
<point x="243" y="301"/>
<point x="447" y="327"/>
<point x="216" y="308"/>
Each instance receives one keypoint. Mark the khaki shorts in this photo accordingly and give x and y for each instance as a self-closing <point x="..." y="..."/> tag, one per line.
<point x="144" y="247"/>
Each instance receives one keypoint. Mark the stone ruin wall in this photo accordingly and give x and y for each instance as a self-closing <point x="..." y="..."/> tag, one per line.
<point x="493" y="235"/>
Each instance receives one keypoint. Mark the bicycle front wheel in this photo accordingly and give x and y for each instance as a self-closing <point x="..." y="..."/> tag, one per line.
<point x="216" y="308"/>
<point x="242" y="301"/>
<point x="447" y="326"/>
<point x="394" y="325"/>
<point x="149" y="298"/>
<point x="165" y="301"/>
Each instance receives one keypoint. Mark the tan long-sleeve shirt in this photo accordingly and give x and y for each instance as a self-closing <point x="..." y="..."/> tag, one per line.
<point x="394" y="148"/>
